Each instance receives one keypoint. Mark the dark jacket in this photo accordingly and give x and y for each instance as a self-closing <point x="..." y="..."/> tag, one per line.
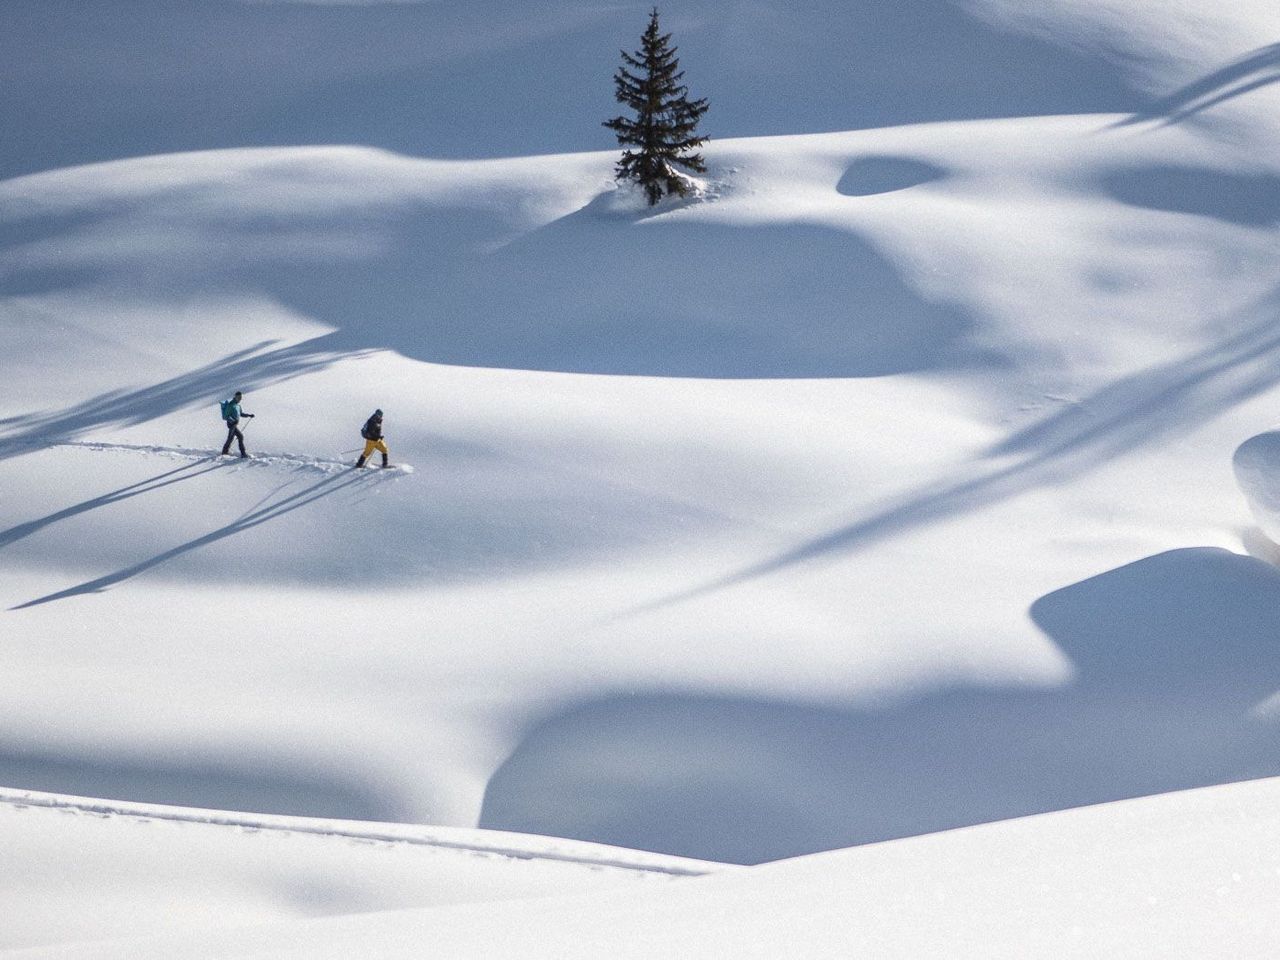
<point x="372" y="429"/>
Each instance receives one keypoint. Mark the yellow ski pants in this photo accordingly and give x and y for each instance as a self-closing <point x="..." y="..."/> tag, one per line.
<point x="372" y="445"/>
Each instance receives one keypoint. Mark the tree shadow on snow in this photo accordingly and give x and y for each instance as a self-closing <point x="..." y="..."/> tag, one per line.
<point x="1129" y="414"/>
<point x="1255" y="70"/>
<point x="249" y="369"/>
<point x="1171" y="652"/>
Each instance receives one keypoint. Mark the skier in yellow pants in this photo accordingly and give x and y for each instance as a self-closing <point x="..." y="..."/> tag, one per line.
<point x="372" y="433"/>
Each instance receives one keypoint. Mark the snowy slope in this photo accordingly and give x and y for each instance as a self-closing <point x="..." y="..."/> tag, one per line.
<point x="1191" y="875"/>
<point x="144" y="869"/>
<point x="486" y="79"/>
<point x="884" y="487"/>
<point x="580" y="559"/>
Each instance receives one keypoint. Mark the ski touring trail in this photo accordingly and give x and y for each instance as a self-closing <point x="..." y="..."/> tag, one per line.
<point x="476" y="842"/>
<point x="298" y="461"/>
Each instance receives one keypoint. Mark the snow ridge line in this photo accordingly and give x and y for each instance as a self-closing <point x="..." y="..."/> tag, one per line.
<point x="347" y="829"/>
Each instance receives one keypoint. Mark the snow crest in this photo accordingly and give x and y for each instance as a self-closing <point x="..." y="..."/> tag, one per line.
<point x="1257" y="468"/>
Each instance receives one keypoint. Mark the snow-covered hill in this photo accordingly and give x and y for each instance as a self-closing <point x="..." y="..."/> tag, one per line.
<point x="147" y="868"/>
<point x="884" y="487"/>
<point x="1192" y="874"/>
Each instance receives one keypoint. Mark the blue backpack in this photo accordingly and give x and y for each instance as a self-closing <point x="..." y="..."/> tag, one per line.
<point x="228" y="408"/>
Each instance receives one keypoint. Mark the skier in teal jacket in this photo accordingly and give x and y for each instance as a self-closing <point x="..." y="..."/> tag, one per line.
<point x="231" y="414"/>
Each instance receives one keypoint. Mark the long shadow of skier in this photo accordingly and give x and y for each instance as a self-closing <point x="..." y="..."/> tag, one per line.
<point x="326" y="487"/>
<point x="150" y="485"/>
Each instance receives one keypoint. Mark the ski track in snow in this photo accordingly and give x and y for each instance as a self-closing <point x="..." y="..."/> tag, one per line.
<point x="322" y="465"/>
<point x="405" y="834"/>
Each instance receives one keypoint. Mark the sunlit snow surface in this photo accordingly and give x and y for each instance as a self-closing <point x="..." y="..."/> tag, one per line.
<point x="899" y="479"/>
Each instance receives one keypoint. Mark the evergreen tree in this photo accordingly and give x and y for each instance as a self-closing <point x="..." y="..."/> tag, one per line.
<point x="662" y="130"/>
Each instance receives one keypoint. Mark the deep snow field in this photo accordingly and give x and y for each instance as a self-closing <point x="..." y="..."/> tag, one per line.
<point x="921" y="472"/>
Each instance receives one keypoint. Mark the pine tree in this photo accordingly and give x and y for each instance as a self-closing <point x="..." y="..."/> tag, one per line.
<point x="665" y="119"/>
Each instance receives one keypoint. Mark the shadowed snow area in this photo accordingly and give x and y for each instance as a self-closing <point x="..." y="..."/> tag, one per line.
<point x="1257" y="469"/>
<point x="822" y="303"/>
<point x="1170" y="653"/>
<point x="477" y="279"/>
<point x="120" y="78"/>
<point x="1244" y="199"/>
<point x="872" y="175"/>
<point x="264" y="785"/>
<point x="255" y="513"/>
